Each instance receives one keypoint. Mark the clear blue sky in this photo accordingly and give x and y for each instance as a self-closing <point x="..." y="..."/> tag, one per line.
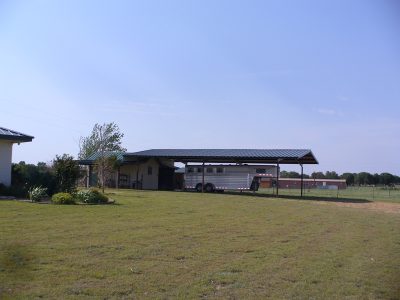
<point x="323" y="75"/>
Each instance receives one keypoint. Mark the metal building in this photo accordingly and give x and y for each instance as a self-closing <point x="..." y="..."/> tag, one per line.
<point x="154" y="169"/>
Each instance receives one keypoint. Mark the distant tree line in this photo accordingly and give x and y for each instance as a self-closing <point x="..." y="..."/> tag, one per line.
<point x="362" y="178"/>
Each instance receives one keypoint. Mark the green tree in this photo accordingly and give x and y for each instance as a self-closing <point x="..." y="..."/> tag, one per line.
<point x="24" y="176"/>
<point x="386" y="179"/>
<point x="290" y="174"/>
<point x="377" y="178"/>
<point x="294" y="174"/>
<point x="104" y="140"/>
<point x="364" y="178"/>
<point x="284" y="174"/>
<point x="349" y="177"/>
<point x="67" y="173"/>
<point x="331" y="175"/>
<point x="105" y="167"/>
<point x="317" y="175"/>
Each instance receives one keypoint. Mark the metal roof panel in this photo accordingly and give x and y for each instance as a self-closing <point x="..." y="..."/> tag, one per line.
<point x="245" y="155"/>
<point x="12" y="135"/>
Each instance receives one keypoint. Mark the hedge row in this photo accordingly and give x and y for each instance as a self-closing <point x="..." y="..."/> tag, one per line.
<point x="84" y="196"/>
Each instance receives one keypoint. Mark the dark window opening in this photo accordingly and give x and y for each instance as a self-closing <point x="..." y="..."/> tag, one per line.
<point x="261" y="171"/>
<point x="149" y="171"/>
<point x="210" y="170"/>
<point x="220" y="170"/>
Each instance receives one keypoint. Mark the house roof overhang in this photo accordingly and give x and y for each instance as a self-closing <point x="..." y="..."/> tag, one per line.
<point x="14" y="136"/>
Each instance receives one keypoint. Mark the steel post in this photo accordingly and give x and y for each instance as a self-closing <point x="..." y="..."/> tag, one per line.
<point x="301" y="188"/>
<point x="277" y="178"/>
<point x="202" y="181"/>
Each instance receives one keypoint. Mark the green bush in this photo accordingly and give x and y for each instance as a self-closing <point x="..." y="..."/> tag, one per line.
<point x="67" y="173"/>
<point x="11" y="191"/>
<point x="63" y="198"/>
<point x="91" y="196"/>
<point x="27" y="176"/>
<point x="37" y="193"/>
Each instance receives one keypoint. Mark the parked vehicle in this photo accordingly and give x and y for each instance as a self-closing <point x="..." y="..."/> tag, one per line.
<point x="226" y="177"/>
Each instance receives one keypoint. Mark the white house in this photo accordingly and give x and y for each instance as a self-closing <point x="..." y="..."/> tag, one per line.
<point x="9" y="137"/>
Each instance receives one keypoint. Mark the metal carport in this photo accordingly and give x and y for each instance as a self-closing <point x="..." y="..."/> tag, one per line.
<point x="239" y="156"/>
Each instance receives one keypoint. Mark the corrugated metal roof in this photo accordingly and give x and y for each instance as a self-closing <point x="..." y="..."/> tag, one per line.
<point x="97" y="155"/>
<point x="294" y="153"/>
<point x="12" y="135"/>
<point x="283" y="156"/>
<point x="229" y="155"/>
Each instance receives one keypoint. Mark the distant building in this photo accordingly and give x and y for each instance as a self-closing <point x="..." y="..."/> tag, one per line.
<point x="9" y="137"/>
<point x="308" y="183"/>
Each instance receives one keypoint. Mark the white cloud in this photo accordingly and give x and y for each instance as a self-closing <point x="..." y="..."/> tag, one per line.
<point x="326" y="111"/>
<point x="343" y="98"/>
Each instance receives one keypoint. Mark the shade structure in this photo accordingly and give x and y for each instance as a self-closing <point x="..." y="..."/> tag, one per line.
<point x="281" y="156"/>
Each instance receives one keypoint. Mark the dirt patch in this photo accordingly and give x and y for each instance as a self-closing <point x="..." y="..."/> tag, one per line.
<point x="376" y="206"/>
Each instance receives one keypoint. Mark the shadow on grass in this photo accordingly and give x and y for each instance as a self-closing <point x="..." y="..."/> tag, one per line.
<point x="262" y="195"/>
<point x="292" y="197"/>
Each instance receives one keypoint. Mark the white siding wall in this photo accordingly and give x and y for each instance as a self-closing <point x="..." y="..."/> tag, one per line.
<point x="5" y="162"/>
<point x="149" y="182"/>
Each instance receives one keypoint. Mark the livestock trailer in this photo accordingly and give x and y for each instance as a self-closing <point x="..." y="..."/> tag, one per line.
<point x="227" y="177"/>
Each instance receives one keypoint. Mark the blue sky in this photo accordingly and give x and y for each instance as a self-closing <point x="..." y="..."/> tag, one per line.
<point x="323" y="75"/>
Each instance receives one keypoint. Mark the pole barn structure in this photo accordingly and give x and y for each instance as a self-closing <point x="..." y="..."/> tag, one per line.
<point x="237" y="156"/>
<point x="154" y="169"/>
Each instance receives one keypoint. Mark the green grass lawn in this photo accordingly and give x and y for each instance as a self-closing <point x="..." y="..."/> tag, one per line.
<point x="190" y="245"/>
<point x="363" y="193"/>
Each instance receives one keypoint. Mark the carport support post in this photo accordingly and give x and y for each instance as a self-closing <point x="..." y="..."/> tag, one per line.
<point x="301" y="188"/>
<point x="137" y="177"/>
<point x="117" y="178"/>
<point x="89" y="175"/>
<point x="202" y="179"/>
<point x="277" y="178"/>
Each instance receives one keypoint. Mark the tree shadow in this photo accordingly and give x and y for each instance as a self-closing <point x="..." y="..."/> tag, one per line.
<point x="293" y="197"/>
<point x="265" y="195"/>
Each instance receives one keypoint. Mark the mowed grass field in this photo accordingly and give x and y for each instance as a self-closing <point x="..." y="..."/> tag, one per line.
<point x="159" y="245"/>
<point x="378" y="194"/>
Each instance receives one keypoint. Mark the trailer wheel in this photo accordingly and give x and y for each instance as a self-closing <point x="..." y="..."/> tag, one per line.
<point x="199" y="187"/>
<point x="209" y="188"/>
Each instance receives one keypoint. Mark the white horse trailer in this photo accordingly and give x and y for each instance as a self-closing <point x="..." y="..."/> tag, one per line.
<point x="227" y="177"/>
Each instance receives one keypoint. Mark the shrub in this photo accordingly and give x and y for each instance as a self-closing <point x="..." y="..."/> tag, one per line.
<point x="67" y="173"/>
<point x="63" y="198"/>
<point x="37" y="193"/>
<point x="91" y="196"/>
<point x="6" y="190"/>
<point x="26" y="176"/>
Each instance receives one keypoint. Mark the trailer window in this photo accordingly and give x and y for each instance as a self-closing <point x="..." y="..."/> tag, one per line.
<point x="199" y="170"/>
<point x="190" y="170"/>
<point x="209" y="170"/>
<point x="261" y="171"/>
<point x="149" y="170"/>
<point x="220" y="170"/>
